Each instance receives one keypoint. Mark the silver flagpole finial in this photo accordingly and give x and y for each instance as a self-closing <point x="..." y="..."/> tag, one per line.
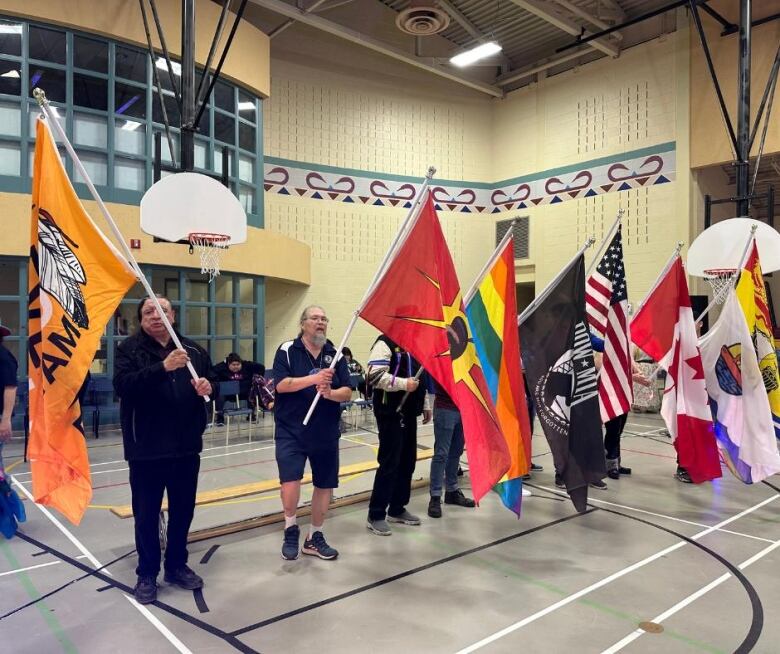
<point x="431" y="172"/>
<point x="39" y="96"/>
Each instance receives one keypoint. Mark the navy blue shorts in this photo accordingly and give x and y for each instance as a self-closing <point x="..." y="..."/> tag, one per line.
<point x="291" y="455"/>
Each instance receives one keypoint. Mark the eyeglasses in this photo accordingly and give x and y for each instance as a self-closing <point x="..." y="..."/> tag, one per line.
<point x="319" y="319"/>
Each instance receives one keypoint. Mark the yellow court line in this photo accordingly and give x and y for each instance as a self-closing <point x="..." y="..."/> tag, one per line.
<point x="107" y="507"/>
<point x="13" y="465"/>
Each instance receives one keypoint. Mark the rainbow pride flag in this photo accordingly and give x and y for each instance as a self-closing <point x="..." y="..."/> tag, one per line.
<point x="492" y="313"/>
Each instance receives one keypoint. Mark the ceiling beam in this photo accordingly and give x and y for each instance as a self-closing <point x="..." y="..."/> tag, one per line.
<point x="590" y="18"/>
<point x="288" y="23"/>
<point x="616" y="8"/>
<point x="354" y="36"/>
<point x="515" y="75"/>
<point x="547" y="12"/>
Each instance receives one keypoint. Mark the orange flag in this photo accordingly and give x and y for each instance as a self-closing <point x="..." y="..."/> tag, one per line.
<point x="418" y="304"/>
<point x="76" y="280"/>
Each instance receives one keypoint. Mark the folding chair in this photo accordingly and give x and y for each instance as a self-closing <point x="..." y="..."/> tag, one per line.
<point x="98" y="386"/>
<point x="230" y="390"/>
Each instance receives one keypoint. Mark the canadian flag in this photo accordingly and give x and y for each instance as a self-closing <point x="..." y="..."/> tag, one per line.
<point x="664" y="328"/>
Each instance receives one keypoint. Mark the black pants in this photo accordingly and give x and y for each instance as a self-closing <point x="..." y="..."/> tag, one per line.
<point x="397" y="458"/>
<point x="614" y="428"/>
<point x="148" y="479"/>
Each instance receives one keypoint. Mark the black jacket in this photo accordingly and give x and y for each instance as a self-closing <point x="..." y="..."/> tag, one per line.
<point x="385" y="403"/>
<point x="160" y="412"/>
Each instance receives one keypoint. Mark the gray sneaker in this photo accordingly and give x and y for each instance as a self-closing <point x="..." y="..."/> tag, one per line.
<point x="405" y="518"/>
<point x="379" y="527"/>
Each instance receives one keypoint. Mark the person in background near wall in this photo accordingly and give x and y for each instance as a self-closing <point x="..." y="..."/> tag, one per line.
<point x="8" y="372"/>
<point x="233" y="368"/>
<point x="301" y="370"/>
<point x="357" y="379"/>
<point x="391" y="372"/>
<point x="163" y="416"/>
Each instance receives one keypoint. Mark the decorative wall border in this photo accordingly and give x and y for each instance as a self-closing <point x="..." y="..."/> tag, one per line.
<point x="637" y="169"/>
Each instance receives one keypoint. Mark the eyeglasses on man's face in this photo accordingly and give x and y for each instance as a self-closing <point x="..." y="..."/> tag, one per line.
<point x="322" y="319"/>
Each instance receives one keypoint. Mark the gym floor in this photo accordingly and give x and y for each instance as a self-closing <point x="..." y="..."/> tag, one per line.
<point x="695" y="566"/>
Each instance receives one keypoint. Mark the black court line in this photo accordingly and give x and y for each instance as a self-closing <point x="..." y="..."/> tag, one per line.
<point x="757" y="621"/>
<point x="230" y="639"/>
<point x="41" y="553"/>
<point x="772" y="486"/>
<point x="200" y="601"/>
<point x="401" y="575"/>
<point x="207" y="556"/>
<point x="102" y="588"/>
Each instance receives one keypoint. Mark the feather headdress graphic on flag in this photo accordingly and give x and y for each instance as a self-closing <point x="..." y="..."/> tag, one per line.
<point x="76" y="280"/>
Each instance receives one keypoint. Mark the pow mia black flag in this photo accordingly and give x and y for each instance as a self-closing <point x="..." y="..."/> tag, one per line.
<point x="562" y="378"/>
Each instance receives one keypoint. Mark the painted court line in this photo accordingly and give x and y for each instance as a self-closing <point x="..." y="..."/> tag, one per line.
<point x="661" y="515"/>
<point x="180" y="647"/>
<point x="690" y="599"/>
<point x="607" y="580"/>
<point x="32" y="567"/>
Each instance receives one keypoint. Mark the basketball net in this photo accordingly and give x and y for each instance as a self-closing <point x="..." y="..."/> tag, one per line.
<point x="210" y="248"/>
<point x="720" y="280"/>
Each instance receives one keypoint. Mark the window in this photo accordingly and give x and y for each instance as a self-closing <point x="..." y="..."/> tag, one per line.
<point x="47" y="44"/>
<point x="10" y="38"/>
<point x="90" y="54"/>
<point x="10" y="77"/>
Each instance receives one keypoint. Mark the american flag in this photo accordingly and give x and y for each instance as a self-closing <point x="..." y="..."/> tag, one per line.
<point x="607" y="307"/>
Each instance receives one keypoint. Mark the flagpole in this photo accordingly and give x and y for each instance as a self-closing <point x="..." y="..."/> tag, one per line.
<point x="416" y="377"/>
<point x="389" y="257"/>
<point x="596" y="256"/>
<point x="493" y="258"/>
<point x="660" y="277"/>
<point x="736" y="276"/>
<point x="548" y="289"/>
<point x="40" y="96"/>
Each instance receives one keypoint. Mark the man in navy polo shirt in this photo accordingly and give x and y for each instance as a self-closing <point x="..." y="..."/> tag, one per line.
<point x="300" y="371"/>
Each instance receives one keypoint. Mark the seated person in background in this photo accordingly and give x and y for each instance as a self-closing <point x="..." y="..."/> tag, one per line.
<point x="234" y="369"/>
<point x="357" y="379"/>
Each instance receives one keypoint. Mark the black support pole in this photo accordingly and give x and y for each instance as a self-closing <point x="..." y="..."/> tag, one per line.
<point x="187" y="156"/>
<point x="743" y="108"/>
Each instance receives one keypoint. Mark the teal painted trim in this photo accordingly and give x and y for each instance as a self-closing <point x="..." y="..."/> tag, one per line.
<point x="369" y="173"/>
<point x="633" y="154"/>
<point x="603" y="161"/>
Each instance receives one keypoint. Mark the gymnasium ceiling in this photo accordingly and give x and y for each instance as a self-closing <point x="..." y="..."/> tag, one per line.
<point x="531" y="32"/>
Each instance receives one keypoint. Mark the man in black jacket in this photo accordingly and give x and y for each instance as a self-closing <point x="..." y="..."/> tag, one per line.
<point x="163" y="417"/>
<point x="391" y="374"/>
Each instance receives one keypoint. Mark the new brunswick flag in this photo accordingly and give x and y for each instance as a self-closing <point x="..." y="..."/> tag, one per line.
<point x="753" y="299"/>
<point x="492" y="313"/>
<point x="76" y="280"/>
<point x="417" y="303"/>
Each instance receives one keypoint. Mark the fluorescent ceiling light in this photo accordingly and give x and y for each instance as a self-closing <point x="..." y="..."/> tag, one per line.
<point x="246" y="106"/>
<point x="160" y="63"/>
<point x="11" y="73"/>
<point x="475" y="54"/>
<point x="130" y="125"/>
<point x="8" y="28"/>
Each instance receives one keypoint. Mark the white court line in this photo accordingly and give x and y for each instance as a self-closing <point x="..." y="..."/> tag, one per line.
<point x="181" y="647"/>
<point x="660" y="515"/>
<point x="32" y="567"/>
<point x="607" y="580"/>
<point x="690" y="599"/>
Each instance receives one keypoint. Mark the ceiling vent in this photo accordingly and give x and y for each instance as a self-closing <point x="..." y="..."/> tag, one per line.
<point x="422" y="18"/>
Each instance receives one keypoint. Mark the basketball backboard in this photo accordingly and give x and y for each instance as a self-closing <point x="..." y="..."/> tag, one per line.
<point x="721" y="246"/>
<point x="190" y="203"/>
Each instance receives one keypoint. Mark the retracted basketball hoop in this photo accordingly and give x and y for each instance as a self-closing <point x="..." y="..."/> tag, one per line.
<point x="195" y="209"/>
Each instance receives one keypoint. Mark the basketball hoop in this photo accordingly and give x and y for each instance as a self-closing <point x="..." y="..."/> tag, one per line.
<point x="210" y="248"/>
<point x="720" y="280"/>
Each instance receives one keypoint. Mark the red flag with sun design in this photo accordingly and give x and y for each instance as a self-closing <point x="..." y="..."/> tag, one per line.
<point x="417" y="303"/>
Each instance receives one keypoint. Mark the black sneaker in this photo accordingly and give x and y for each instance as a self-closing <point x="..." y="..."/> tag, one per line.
<point x="145" y="590"/>
<point x="559" y="481"/>
<point x="434" y="507"/>
<point x="624" y="471"/>
<point x="683" y="476"/>
<point x="183" y="577"/>
<point x="459" y="499"/>
<point x="290" y="543"/>
<point x="317" y="546"/>
<point x="613" y="473"/>
<point x="460" y="471"/>
<point x="535" y="467"/>
<point x="600" y="485"/>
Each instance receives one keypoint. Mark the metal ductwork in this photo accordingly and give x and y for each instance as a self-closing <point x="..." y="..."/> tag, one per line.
<point x="422" y="18"/>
